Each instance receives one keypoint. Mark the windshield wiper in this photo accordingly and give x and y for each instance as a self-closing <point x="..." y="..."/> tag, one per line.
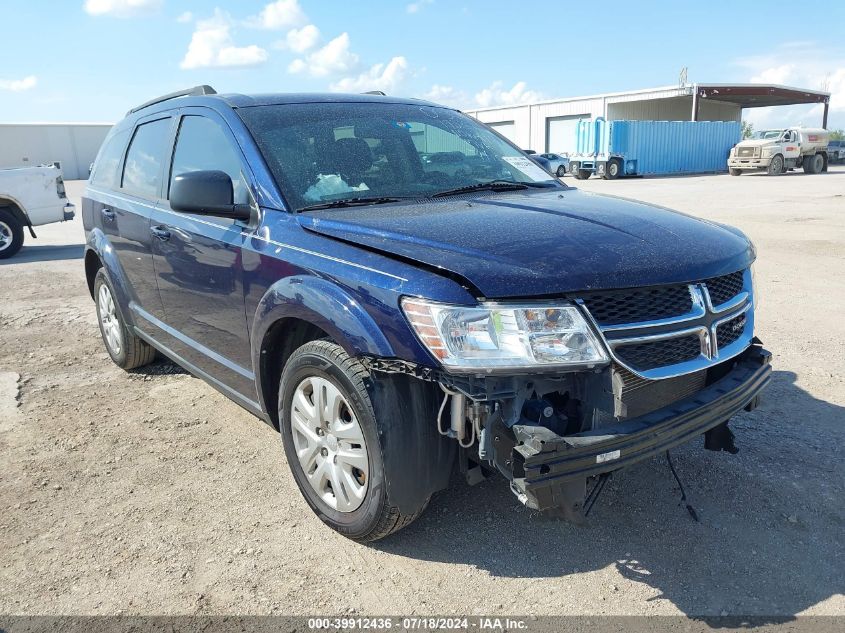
<point x="349" y="202"/>
<point x="493" y="185"/>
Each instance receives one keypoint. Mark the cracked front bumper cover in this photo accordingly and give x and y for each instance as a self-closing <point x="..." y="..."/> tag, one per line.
<point x="546" y="465"/>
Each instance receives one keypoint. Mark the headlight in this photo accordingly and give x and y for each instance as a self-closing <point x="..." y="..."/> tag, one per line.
<point x="504" y="337"/>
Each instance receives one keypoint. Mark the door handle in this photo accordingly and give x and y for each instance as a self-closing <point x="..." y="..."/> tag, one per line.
<point x="161" y="233"/>
<point x="108" y="214"/>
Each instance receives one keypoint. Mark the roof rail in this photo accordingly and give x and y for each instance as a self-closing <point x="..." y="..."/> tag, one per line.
<point x="375" y="92"/>
<point x="189" y="92"/>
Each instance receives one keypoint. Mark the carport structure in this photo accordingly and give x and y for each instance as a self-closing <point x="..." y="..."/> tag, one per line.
<point x="757" y="96"/>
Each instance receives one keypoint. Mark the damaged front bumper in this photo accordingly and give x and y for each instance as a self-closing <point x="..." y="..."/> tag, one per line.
<point x="551" y="470"/>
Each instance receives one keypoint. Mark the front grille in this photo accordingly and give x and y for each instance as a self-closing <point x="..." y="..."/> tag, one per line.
<point x="745" y="152"/>
<point x="638" y="396"/>
<point x="638" y="304"/>
<point x="659" y="353"/>
<point x="730" y="331"/>
<point x="723" y="289"/>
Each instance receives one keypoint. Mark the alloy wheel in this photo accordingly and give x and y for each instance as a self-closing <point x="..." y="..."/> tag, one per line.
<point x="109" y="320"/>
<point x="5" y="236"/>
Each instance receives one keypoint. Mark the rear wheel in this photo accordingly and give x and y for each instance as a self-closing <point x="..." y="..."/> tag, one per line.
<point x="613" y="169"/>
<point x="11" y="234"/>
<point x="332" y="443"/>
<point x="126" y="350"/>
<point x="735" y="172"/>
<point x="776" y="166"/>
<point x="814" y="164"/>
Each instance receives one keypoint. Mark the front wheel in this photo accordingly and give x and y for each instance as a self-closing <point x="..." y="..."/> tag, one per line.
<point x="561" y="170"/>
<point x="775" y="167"/>
<point x="332" y="443"/>
<point x="735" y="172"/>
<point x="613" y="169"/>
<point x="11" y="234"/>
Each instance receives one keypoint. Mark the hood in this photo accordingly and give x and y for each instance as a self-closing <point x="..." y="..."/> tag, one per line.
<point x="757" y="142"/>
<point x="535" y="244"/>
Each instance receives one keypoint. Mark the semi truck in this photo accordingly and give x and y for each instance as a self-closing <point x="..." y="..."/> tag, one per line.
<point x="777" y="151"/>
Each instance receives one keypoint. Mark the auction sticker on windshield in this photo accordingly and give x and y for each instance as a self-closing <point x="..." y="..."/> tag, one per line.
<point x="527" y="167"/>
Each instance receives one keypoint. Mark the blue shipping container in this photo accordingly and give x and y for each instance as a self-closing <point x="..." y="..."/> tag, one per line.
<point x="656" y="147"/>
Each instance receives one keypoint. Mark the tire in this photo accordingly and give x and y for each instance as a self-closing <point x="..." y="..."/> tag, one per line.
<point x="814" y="164"/>
<point x="561" y="170"/>
<point x="363" y="511"/>
<point x="11" y="233"/>
<point x="775" y="167"/>
<point x="735" y="172"/>
<point x="613" y="169"/>
<point x="584" y="174"/>
<point x="126" y="350"/>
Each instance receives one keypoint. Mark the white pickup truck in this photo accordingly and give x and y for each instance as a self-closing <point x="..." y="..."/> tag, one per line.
<point x="777" y="151"/>
<point x="30" y="196"/>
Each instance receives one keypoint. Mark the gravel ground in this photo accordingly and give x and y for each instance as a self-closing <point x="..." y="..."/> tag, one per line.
<point x="150" y="493"/>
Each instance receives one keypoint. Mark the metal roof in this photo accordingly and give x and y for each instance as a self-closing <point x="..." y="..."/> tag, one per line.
<point x="760" y="95"/>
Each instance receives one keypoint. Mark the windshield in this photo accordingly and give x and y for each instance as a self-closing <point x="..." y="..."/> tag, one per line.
<point x="768" y="134"/>
<point x="320" y="152"/>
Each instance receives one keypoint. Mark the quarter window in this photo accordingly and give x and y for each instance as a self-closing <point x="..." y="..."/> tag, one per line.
<point x="108" y="161"/>
<point x="203" y="145"/>
<point x="142" y="171"/>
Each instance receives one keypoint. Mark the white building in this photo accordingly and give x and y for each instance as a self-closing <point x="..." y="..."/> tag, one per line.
<point x="549" y="126"/>
<point x="73" y="145"/>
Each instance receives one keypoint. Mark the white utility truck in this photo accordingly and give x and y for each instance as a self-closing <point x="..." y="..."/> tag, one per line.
<point x="30" y="196"/>
<point x="777" y="151"/>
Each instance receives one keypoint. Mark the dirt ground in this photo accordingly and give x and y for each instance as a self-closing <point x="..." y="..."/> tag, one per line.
<point x="150" y="493"/>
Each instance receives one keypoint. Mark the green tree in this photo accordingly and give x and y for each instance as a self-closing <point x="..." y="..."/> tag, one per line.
<point x="837" y="135"/>
<point x="747" y="129"/>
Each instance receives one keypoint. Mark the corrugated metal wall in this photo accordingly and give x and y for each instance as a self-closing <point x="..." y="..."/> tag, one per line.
<point x="531" y="121"/>
<point x="662" y="147"/>
<point x="73" y="145"/>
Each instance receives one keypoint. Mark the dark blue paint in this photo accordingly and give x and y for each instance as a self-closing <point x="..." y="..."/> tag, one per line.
<point x="219" y="286"/>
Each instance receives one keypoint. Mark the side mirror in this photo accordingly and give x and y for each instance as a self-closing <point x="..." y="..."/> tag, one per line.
<point x="206" y="193"/>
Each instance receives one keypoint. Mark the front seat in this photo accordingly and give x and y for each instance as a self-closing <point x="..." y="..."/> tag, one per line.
<point x="352" y="157"/>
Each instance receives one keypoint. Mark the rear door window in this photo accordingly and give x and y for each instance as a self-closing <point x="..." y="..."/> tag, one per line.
<point x="142" y="170"/>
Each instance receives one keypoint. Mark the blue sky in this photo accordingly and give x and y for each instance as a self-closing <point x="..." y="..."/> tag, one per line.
<point x="91" y="60"/>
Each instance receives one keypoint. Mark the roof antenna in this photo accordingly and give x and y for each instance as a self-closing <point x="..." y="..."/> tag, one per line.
<point x="690" y="509"/>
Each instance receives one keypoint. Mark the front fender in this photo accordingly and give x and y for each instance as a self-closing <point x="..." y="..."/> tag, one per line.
<point x="98" y="242"/>
<point x="325" y="304"/>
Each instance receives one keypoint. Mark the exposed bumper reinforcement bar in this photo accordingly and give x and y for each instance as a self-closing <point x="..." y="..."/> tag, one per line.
<point x="547" y="466"/>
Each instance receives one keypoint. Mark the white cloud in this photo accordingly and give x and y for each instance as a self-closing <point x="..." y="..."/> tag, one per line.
<point x="416" y="7"/>
<point x="384" y="77"/>
<point x="211" y="46"/>
<point x="334" y="58"/>
<point x="300" y="40"/>
<point x="446" y="95"/>
<point x="496" y="94"/>
<point x="279" y="15"/>
<point x="185" y="17"/>
<point x="801" y="65"/>
<point x="18" y="85"/>
<point x="121" y="8"/>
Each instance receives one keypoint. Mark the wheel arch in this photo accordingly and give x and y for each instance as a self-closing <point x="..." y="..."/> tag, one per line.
<point x="299" y="309"/>
<point x="15" y="209"/>
<point x="100" y="254"/>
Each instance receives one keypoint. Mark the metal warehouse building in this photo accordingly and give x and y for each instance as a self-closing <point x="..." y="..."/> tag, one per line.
<point x="549" y="126"/>
<point x="73" y="145"/>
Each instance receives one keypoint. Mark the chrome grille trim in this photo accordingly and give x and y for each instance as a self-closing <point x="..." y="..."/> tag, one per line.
<point x="703" y="320"/>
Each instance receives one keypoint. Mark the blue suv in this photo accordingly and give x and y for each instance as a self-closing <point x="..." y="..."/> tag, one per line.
<point x="398" y="321"/>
